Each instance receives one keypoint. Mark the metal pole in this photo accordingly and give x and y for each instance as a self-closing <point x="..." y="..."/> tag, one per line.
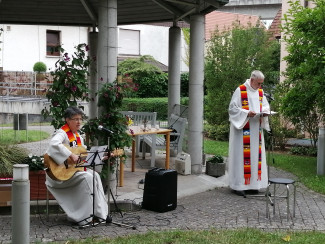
<point x="321" y="152"/>
<point x="20" y="204"/>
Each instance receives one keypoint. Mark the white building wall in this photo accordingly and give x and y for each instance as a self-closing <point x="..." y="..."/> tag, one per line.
<point x="154" y="42"/>
<point x="24" y="45"/>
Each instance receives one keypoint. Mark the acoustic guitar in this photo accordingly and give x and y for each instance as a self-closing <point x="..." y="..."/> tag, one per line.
<point x="63" y="172"/>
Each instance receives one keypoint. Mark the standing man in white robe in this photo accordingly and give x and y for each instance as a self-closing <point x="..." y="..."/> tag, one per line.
<point x="256" y="114"/>
<point x="75" y="195"/>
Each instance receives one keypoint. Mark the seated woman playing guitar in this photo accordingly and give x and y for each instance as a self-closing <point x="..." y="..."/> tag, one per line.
<point x="74" y="194"/>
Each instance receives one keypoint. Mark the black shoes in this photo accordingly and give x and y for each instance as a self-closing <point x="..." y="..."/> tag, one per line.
<point x="239" y="193"/>
<point x="246" y="192"/>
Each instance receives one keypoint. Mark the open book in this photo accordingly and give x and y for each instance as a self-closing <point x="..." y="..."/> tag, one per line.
<point x="266" y="114"/>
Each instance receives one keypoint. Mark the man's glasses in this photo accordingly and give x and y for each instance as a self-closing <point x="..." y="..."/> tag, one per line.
<point x="77" y="119"/>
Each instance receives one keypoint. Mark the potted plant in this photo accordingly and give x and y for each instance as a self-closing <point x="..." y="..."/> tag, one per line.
<point x="37" y="177"/>
<point x="215" y="166"/>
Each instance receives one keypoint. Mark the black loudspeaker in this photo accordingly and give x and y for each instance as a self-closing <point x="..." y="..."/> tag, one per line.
<point x="160" y="190"/>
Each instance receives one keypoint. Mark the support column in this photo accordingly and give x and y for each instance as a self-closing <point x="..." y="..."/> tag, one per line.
<point x="107" y="41"/>
<point x="93" y="84"/>
<point x="174" y="71"/>
<point x="196" y="81"/>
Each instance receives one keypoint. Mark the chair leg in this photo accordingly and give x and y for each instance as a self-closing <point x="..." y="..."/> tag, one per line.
<point x="274" y="198"/>
<point x="294" y="200"/>
<point x="267" y="201"/>
<point x="47" y="204"/>
<point x="288" y="202"/>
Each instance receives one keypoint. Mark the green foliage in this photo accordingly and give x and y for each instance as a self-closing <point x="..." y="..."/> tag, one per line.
<point x="185" y="77"/>
<point x="10" y="155"/>
<point x="186" y="34"/>
<point x="150" y="80"/>
<point x="70" y="84"/>
<point x="159" y="105"/>
<point x="156" y="104"/>
<point x="39" y="67"/>
<point x="217" y="132"/>
<point x="35" y="162"/>
<point x="231" y="56"/>
<point x="216" y="159"/>
<point x="110" y="98"/>
<point x="303" y="101"/>
<point x="304" y="151"/>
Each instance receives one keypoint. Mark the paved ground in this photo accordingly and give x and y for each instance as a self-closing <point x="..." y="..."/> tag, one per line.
<point x="203" y="202"/>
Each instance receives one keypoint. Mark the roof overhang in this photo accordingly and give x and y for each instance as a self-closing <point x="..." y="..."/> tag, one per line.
<point x="85" y="12"/>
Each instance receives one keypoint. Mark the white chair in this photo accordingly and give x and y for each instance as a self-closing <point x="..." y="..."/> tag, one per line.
<point x="138" y="118"/>
<point x="177" y="124"/>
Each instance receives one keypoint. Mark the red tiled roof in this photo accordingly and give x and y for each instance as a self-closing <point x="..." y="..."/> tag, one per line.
<point x="224" y="20"/>
<point x="275" y="26"/>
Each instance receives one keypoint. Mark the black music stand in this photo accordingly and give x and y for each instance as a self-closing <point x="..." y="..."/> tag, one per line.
<point x="94" y="158"/>
<point x="109" y="219"/>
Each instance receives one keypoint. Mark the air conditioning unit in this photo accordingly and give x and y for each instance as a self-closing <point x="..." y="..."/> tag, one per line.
<point x="183" y="164"/>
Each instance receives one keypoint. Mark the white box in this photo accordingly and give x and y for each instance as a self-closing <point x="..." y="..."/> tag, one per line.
<point x="183" y="164"/>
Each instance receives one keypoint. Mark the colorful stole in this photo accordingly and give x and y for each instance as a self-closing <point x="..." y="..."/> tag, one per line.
<point x="246" y="137"/>
<point x="73" y="141"/>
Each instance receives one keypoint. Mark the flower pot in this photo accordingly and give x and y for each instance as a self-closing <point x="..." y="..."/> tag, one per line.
<point x="38" y="188"/>
<point x="215" y="169"/>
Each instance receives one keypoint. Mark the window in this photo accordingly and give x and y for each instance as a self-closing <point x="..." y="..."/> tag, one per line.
<point x="129" y="42"/>
<point x="52" y="43"/>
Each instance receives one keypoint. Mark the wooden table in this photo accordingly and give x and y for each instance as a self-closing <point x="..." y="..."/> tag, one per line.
<point x="136" y="131"/>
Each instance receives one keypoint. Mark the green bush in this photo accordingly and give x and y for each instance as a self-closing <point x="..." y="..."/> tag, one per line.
<point x="156" y="104"/>
<point x="148" y="78"/>
<point x="304" y="151"/>
<point x="39" y="67"/>
<point x="217" y="132"/>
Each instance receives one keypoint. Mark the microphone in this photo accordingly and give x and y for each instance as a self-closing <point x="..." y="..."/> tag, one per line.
<point x="100" y="127"/>
<point x="269" y="96"/>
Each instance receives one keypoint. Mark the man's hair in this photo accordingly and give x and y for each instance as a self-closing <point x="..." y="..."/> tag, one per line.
<point x="71" y="111"/>
<point x="256" y="75"/>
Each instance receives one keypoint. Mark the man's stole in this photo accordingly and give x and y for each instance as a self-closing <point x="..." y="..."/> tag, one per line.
<point x="246" y="137"/>
<point x="73" y="141"/>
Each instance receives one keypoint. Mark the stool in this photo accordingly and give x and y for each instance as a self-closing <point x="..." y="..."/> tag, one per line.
<point x="268" y="196"/>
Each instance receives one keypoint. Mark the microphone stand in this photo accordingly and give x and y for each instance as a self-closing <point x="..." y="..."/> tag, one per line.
<point x="109" y="219"/>
<point x="93" y="165"/>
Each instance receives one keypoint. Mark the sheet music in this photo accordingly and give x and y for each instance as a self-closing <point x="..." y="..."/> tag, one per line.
<point x="91" y="154"/>
<point x="261" y="114"/>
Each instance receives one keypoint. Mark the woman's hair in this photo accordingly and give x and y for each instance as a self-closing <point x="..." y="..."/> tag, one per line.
<point x="71" y="111"/>
<point x="256" y="75"/>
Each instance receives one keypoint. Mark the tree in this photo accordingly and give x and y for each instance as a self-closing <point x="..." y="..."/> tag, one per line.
<point x="303" y="100"/>
<point x="151" y="81"/>
<point x="231" y="56"/>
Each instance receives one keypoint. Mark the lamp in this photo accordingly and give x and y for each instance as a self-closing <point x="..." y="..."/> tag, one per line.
<point x="20" y="172"/>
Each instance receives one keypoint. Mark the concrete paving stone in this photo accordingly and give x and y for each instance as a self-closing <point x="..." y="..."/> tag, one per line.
<point x="203" y="203"/>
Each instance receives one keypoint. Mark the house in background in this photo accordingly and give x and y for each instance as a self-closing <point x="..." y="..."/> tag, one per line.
<point x="24" y="45"/>
<point x="224" y="21"/>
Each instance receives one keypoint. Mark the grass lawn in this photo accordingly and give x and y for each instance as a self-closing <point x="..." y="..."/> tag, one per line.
<point x="304" y="167"/>
<point x="240" y="236"/>
<point x="10" y="136"/>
